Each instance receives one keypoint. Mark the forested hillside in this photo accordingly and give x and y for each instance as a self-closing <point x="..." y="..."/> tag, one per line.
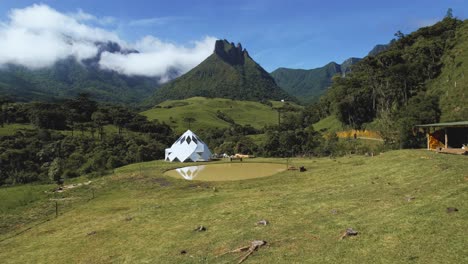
<point x="418" y="79"/>
<point x="451" y="86"/>
<point x="309" y="85"/>
<point x="72" y="138"/>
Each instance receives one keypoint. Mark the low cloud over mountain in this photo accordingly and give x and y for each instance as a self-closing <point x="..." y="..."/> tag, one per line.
<point x="156" y="57"/>
<point x="38" y="36"/>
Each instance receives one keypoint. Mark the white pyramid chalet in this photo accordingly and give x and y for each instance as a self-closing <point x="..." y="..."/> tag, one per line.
<point x="189" y="147"/>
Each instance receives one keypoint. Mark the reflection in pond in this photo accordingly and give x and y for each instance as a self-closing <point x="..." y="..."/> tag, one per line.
<point x="189" y="173"/>
<point x="226" y="171"/>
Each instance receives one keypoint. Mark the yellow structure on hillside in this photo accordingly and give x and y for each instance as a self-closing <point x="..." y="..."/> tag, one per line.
<point x="366" y="134"/>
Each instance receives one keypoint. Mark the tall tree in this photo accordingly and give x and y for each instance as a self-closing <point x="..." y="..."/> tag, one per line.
<point x="449" y="13"/>
<point x="4" y="101"/>
<point x="189" y="120"/>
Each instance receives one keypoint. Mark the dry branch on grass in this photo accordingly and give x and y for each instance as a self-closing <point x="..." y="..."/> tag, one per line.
<point x="263" y="222"/>
<point x="348" y="232"/>
<point x="452" y="210"/>
<point x="254" y="245"/>
<point x="200" y="229"/>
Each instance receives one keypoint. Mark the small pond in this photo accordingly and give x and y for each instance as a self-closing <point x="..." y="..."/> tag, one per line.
<point x="226" y="171"/>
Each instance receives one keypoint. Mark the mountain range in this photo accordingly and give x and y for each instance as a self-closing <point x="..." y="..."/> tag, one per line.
<point x="309" y="85"/>
<point x="229" y="72"/>
<point x="68" y="77"/>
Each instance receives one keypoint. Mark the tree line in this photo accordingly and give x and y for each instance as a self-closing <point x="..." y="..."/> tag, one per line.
<point x="70" y="139"/>
<point x="292" y="136"/>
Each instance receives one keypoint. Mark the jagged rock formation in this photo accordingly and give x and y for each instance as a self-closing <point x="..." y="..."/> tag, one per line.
<point x="232" y="54"/>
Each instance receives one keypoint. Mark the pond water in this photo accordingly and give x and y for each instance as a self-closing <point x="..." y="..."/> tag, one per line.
<point x="226" y="171"/>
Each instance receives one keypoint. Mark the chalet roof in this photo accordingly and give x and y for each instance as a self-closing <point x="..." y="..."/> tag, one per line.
<point x="448" y="124"/>
<point x="189" y="147"/>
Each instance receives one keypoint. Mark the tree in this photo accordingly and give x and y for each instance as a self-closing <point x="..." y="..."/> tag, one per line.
<point x="120" y="117"/>
<point x="189" y="120"/>
<point x="272" y="144"/>
<point x="47" y="116"/>
<point x="4" y="101"/>
<point x="79" y="110"/>
<point x="422" y="109"/>
<point x="245" y="146"/>
<point x="399" y="34"/>
<point x="56" y="170"/>
<point x="82" y="107"/>
<point x="99" y="119"/>
<point x="449" y="13"/>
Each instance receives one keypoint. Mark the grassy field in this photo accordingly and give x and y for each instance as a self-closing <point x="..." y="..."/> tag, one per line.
<point x="397" y="202"/>
<point x="10" y="129"/>
<point x="204" y="111"/>
<point x="108" y="129"/>
<point x="330" y="124"/>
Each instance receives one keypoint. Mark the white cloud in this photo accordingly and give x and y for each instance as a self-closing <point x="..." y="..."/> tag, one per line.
<point x="20" y="46"/>
<point x="37" y="36"/>
<point x="149" y="21"/>
<point x="107" y="20"/>
<point x="41" y="18"/>
<point x="156" y="58"/>
<point x="156" y="21"/>
<point x="80" y="15"/>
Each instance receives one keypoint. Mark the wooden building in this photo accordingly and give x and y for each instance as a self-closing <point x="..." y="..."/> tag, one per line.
<point x="447" y="137"/>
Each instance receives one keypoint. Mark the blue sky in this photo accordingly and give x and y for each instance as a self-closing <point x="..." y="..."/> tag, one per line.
<point x="293" y="34"/>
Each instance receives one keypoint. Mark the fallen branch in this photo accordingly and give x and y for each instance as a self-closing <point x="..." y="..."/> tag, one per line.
<point x="200" y="229"/>
<point x="254" y="245"/>
<point x="262" y="222"/>
<point x="348" y="232"/>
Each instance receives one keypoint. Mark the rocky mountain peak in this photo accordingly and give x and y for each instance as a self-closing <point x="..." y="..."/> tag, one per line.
<point x="109" y="46"/>
<point x="231" y="53"/>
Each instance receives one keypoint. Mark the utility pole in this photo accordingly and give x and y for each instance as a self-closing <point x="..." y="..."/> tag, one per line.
<point x="279" y="116"/>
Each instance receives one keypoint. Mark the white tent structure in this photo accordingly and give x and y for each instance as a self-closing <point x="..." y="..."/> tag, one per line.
<point x="189" y="147"/>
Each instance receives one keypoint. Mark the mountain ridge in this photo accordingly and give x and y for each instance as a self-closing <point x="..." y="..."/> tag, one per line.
<point x="310" y="84"/>
<point x="69" y="77"/>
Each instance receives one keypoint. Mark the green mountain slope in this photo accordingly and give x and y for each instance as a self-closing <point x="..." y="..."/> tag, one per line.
<point x="68" y="78"/>
<point x="228" y="73"/>
<point x="309" y="85"/>
<point x="451" y="86"/>
<point x="205" y="112"/>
